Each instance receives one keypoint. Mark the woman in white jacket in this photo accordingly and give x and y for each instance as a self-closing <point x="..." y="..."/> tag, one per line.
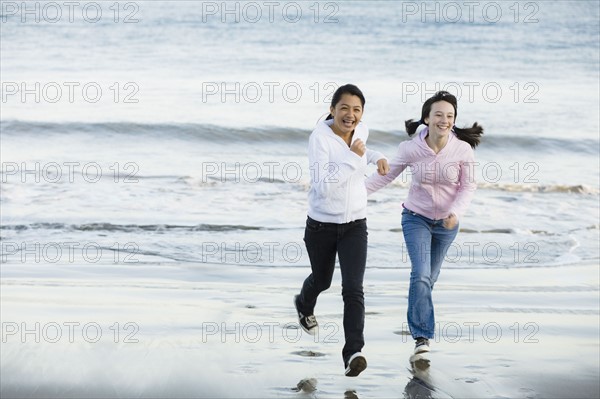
<point x="336" y="223"/>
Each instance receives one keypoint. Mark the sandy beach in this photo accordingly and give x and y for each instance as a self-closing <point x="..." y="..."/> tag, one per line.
<point x="194" y="331"/>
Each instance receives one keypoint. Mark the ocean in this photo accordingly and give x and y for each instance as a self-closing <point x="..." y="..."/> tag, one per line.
<point x="179" y="132"/>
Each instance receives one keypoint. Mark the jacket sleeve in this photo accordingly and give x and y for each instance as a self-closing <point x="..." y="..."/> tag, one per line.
<point x="328" y="174"/>
<point x="397" y="166"/>
<point x="374" y="156"/>
<point x="467" y="185"/>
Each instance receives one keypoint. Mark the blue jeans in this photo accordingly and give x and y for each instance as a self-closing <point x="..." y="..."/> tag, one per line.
<point x="427" y="242"/>
<point x="349" y="241"/>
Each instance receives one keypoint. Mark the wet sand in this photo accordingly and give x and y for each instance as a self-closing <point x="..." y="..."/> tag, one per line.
<point x="220" y="331"/>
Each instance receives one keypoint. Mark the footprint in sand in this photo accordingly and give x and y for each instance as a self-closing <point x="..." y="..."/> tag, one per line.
<point x="468" y="380"/>
<point x="306" y="385"/>
<point x="308" y="353"/>
<point x="350" y="395"/>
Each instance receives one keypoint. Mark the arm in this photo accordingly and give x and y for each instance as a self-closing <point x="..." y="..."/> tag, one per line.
<point x="374" y="156"/>
<point x="377" y="158"/>
<point x="467" y="186"/>
<point x="397" y="166"/>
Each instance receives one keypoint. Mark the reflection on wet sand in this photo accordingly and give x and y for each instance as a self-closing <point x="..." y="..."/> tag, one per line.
<point x="421" y="385"/>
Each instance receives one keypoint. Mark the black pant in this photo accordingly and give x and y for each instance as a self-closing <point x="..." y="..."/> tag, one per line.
<point x="349" y="241"/>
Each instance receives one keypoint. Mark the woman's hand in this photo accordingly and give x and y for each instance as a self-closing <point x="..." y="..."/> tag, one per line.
<point x="382" y="167"/>
<point x="451" y="221"/>
<point x="358" y="147"/>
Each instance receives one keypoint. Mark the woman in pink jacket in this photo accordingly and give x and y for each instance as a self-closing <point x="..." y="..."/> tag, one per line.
<point x="440" y="158"/>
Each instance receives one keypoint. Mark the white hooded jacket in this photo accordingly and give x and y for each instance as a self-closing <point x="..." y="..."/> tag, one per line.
<point x="337" y="191"/>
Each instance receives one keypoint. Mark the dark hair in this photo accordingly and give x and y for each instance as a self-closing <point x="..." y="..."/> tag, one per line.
<point x="346" y="89"/>
<point x="471" y="135"/>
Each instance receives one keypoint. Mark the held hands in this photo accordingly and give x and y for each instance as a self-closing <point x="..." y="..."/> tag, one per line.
<point x="382" y="167"/>
<point x="358" y="147"/>
<point x="451" y="221"/>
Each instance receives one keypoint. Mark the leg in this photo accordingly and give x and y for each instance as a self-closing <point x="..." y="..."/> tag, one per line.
<point x="417" y="235"/>
<point x="441" y="240"/>
<point x="321" y="245"/>
<point x="352" y="251"/>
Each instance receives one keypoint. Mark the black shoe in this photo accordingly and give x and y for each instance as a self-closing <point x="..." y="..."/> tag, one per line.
<point x="308" y="323"/>
<point x="421" y="345"/>
<point x="356" y="365"/>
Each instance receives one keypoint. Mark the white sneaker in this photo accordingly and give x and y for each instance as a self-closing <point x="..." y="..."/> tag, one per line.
<point x="421" y="345"/>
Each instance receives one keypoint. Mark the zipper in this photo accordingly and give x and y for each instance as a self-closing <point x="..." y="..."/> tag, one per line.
<point x="347" y="205"/>
<point x="435" y="188"/>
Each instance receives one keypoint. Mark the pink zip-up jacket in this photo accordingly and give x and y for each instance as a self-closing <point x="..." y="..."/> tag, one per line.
<point x="442" y="183"/>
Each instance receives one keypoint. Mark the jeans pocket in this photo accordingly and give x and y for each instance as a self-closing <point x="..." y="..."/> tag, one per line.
<point x="313" y="226"/>
<point x="452" y="229"/>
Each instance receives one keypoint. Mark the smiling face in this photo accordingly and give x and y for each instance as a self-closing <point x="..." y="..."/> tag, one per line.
<point x="346" y="114"/>
<point x="440" y="119"/>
